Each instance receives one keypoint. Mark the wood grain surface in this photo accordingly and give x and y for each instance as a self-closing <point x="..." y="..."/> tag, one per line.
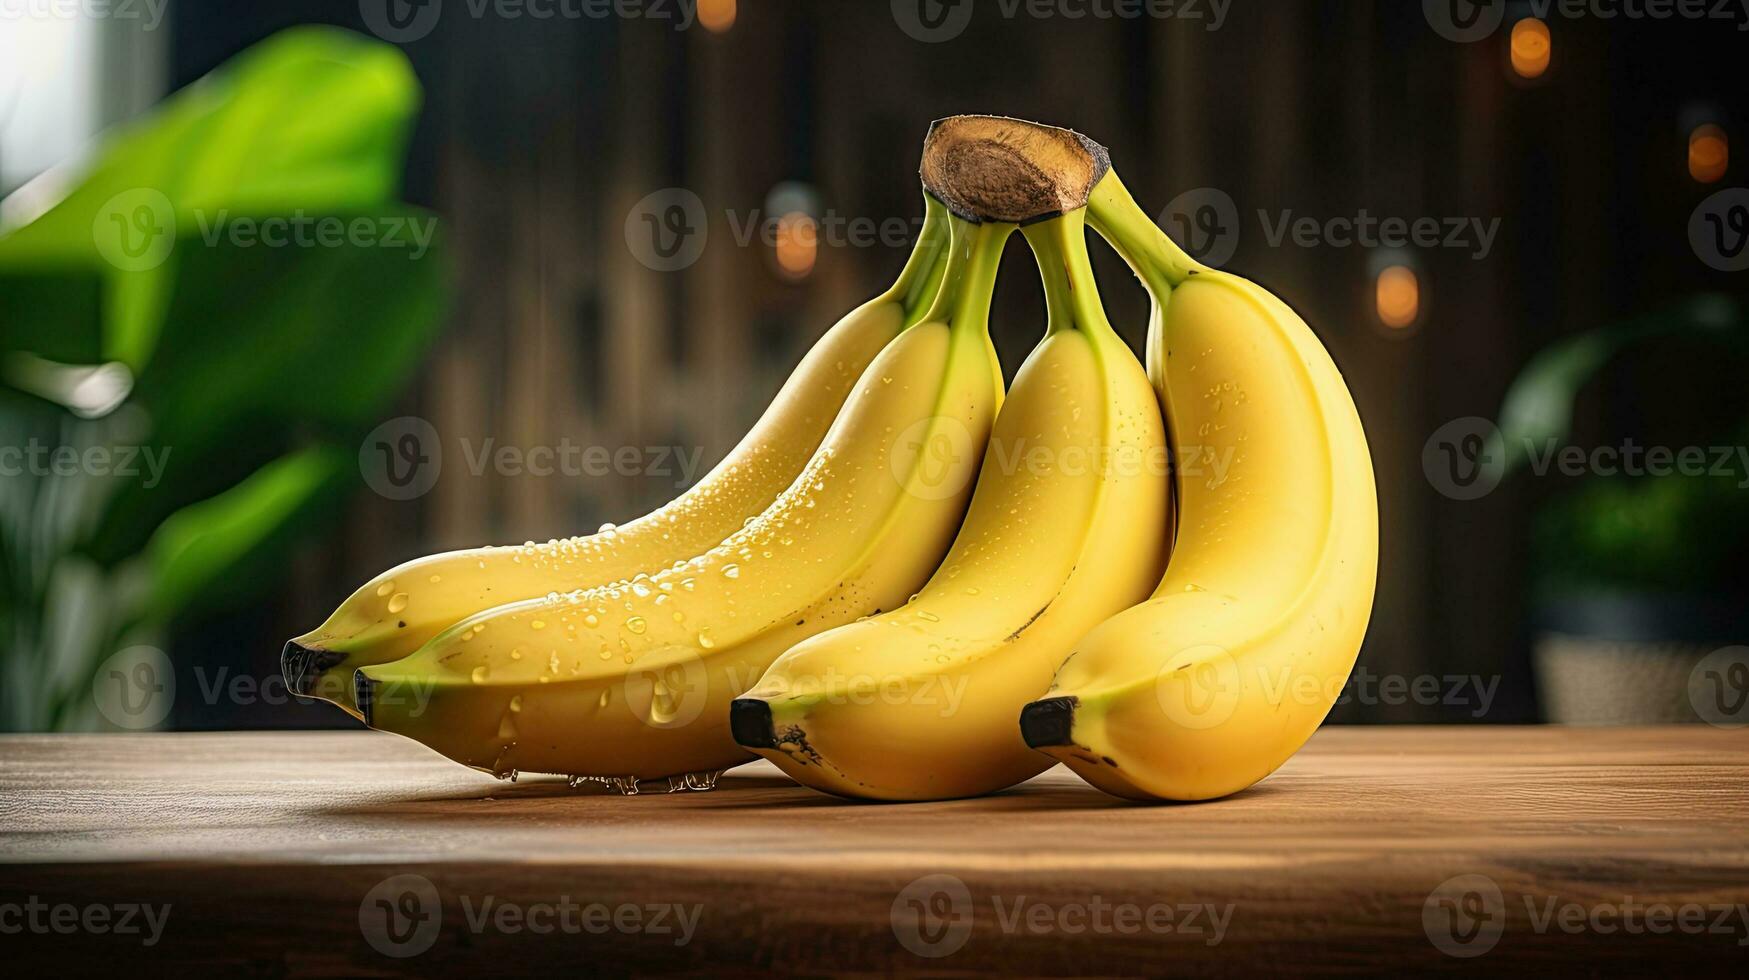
<point x="272" y="852"/>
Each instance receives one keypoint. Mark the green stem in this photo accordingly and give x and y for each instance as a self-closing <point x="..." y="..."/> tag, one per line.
<point x="1071" y="291"/>
<point x="921" y="277"/>
<point x="1153" y="256"/>
<point x="974" y="255"/>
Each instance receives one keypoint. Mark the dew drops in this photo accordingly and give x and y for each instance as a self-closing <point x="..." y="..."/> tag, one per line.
<point x="516" y="703"/>
<point x="731" y="571"/>
<point x="704" y="638"/>
<point x="480" y="674"/>
<point x="928" y="617"/>
<point x="591" y="620"/>
<point x="539" y="624"/>
<point x="637" y="625"/>
<point x="386" y="588"/>
<point x="398" y="602"/>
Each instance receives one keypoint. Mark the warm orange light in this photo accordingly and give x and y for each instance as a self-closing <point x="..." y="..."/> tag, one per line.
<point x="1399" y="297"/>
<point x="1709" y="153"/>
<point x="717" y="16"/>
<point x="797" y="244"/>
<point x="1531" y="47"/>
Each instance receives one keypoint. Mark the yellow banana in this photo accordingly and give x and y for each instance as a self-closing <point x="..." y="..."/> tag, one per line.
<point x="1226" y="671"/>
<point x="633" y="680"/>
<point x="400" y="610"/>
<point x="1068" y="525"/>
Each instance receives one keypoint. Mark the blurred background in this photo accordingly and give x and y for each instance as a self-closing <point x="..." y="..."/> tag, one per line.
<point x="1518" y="227"/>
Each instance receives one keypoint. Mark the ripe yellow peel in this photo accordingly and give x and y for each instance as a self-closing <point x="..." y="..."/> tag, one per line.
<point x="399" y="611"/>
<point x="634" y="678"/>
<point x="1068" y="525"/>
<point x="1219" y="678"/>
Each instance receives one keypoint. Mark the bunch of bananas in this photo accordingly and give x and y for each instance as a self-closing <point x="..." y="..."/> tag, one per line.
<point x="1164" y="574"/>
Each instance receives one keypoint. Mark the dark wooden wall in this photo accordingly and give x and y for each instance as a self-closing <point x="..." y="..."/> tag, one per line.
<point x="539" y="137"/>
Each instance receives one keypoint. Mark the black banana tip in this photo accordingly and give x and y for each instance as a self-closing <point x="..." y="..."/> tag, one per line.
<point x="363" y="694"/>
<point x="302" y="666"/>
<point x="750" y="723"/>
<point x="1047" y="723"/>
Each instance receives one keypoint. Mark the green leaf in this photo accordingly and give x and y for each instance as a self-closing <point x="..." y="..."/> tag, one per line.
<point x="313" y="118"/>
<point x="263" y="346"/>
<point x="1538" y="408"/>
<point x="198" y="546"/>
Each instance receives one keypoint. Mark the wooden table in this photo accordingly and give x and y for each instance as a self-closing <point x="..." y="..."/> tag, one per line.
<point x="308" y="853"/>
